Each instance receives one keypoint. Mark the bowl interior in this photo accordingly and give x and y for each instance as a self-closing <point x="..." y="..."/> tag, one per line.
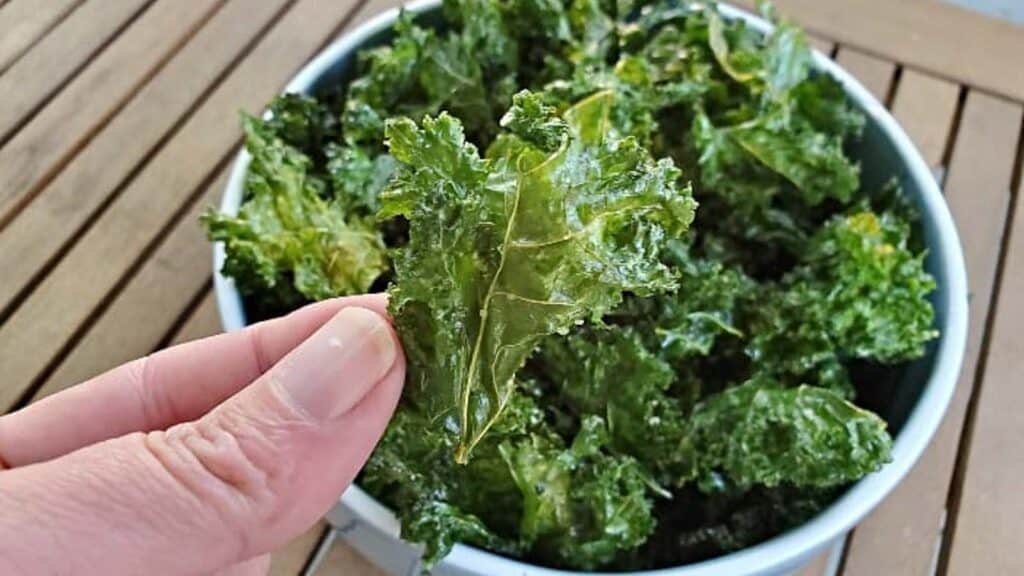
<point x="893" y="392"/>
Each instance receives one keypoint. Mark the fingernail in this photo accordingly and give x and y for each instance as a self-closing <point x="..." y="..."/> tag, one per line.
<point x="328" y="374"/>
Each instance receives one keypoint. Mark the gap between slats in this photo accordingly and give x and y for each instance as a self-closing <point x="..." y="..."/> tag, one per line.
<point x="33" y="244"/>
<point x="977" y="179"/>
<point x="63" y="283"/>
<point x="119" y="285"/>
<point x="968" y="431"/>
<point x="17" y="158"/>
<point x="199" y="322"/>
<point x="12" y="46"/>
<point x="37" y="65"/>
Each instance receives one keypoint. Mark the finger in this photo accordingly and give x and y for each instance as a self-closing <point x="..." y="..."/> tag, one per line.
<point x="239" y="482"/>
<point x="258" y="566"/>
<point x="175" y="385"/>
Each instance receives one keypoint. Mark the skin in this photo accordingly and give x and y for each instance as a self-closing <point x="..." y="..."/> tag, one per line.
<point x="203" y="458"/>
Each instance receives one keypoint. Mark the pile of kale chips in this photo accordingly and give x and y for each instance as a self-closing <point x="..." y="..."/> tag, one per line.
<point x="592" y="383"/>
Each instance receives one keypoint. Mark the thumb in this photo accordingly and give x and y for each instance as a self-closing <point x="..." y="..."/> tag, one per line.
<point x="239" y="482"/>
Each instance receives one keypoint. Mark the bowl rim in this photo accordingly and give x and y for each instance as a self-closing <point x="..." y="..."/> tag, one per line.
<point x="785" y="550"/>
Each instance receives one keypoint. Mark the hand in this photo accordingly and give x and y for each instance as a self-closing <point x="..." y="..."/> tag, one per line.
<point x="200" y="458"/>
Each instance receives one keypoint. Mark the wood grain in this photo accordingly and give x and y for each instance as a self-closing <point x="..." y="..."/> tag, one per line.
<point x="141" y="315"/>
<point x="985" y="522"/>
<point x="203" y="321"/>
<point x="58" y="214"/>
<point x="930" y="35"/>
<point x="30" y="81"/>
<point x="925" y="105"/>
<point x="875" y="74"/>
<point x="47" y="320"/>
<point x="818" y="566"/>
<point x="823" y="45"/>
<point x="977" y="190"/>
<point x="38" y="151"/>
<point x="24" y="22"/>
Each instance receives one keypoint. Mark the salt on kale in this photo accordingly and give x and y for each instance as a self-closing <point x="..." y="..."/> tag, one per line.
<point x="592" y="382"/>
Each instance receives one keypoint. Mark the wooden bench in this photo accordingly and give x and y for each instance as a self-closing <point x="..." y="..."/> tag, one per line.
<point x="118" y="122"/>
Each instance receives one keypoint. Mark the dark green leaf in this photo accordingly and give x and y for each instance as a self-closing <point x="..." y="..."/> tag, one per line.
<point x="500" y="257"/>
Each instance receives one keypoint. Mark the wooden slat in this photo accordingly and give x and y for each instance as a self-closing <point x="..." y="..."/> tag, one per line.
<point x="817" y="567"/>
<point x="931" y="35"/>
<point x="23" y="22"/>
<point x="33" y="239"/>
<point x="826" y="563"/>
<point x="875" y="74"/>
<point x="46" y="321"/>
<point x="986" y="519"/>
<point x="823" y="45"/>
<point x="152" y="301"/>
<point x="41" y="71"/>
<point x="202" y="322"/>
<point x="290" y="560"/>
<point x="343" y="560"/>
<point x="900" y="536"/>
<point x="925" y="106"/>
<point x="37" y="152"/>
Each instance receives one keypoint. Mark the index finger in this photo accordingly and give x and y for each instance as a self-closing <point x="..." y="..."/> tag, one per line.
<point x="175" y="385"/>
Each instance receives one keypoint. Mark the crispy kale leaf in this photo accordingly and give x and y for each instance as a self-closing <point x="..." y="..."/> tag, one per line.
<point x="760" y="433"/>
<point x="859" y="292"/>
<point x="507" y="250"/>
<point x="288" y="244"/>
<point x="876" y="288"/>
<point x="525" y="490"/>
<point x="581" y="506"/>
<point x="609" y="372"/>
<point x="303" y="123"/>
<point x="469" y="73"/>
<point x="687" y="323"/>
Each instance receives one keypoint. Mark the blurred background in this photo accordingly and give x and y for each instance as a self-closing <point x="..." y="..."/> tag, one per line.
<point x="1012" y="10"/>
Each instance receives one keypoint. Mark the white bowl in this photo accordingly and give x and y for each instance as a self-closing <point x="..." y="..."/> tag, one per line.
<point x="916" y="410"/>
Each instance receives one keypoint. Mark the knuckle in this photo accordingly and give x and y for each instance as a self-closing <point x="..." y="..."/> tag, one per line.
<point x="231" y="472"/>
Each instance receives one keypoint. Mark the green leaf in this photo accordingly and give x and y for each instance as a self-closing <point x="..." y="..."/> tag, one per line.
<point x="582" y="507"/>
<point x="586" y="370"/>
<point x="874" y="286"/>
<point x="288" y="240"/>
<point x="500" y="257"/>
<point x="688" y="323"/>
<point x="535" y="122"/>
<point x="762" y="434"/>
<point x="812" y="162"/>
<point x="302" y="122"/>
<point x="357" y="179"/>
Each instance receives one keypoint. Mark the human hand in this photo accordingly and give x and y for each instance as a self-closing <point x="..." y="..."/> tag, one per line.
<point x="201" y="458"/>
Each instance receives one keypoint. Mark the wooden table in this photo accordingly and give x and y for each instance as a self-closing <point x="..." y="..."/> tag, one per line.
<point x="118" y="121"/>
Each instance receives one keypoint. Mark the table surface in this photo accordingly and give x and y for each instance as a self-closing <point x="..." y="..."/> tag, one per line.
<point x="119" y="120"/>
